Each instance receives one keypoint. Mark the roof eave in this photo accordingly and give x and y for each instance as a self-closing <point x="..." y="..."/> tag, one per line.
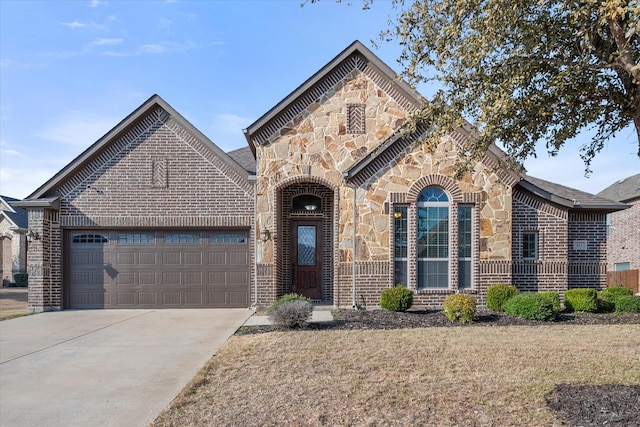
<point x="45" y="202"/>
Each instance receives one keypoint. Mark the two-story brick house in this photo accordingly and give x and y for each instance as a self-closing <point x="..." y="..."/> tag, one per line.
<point x="331" y="199"/>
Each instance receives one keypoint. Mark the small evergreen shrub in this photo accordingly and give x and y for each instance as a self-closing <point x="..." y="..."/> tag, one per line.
<point x="530" y="305"/>
<point x="460" y="308"/>
<point x="287" y="298"/>
<point x="628" y="303"/>
<point x="554" y="298"/>
<point x="21" y="279"/>
<point x="581" y="300"/>
<point x="293" y="314"/>
<point x="607" y="298"/>
<point x="499" y="294"/>
<point x="397" y="298"/>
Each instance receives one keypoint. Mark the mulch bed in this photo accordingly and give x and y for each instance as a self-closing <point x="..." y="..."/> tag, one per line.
<point x="423" y="318"/>
<point x="575" y="405"/>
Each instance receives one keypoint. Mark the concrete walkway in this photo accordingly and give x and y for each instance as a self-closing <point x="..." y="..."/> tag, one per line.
<point x="104" y="367"/>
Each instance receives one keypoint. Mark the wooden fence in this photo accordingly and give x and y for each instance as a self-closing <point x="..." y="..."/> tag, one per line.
<point x="626" y="278"/>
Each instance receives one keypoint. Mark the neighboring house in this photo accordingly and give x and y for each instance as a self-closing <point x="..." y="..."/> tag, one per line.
<point x="623" y="242"/>
<point x="331" y="199"/>
<point x="13" y="227"/>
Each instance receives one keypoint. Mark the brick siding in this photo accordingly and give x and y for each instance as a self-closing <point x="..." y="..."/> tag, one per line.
<point x="157" y="174"/>
<point x="623" y="243"/>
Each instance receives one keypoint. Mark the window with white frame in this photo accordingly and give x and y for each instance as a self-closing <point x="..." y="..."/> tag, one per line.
<point x="432" y="247"/>
<point x="530" y="245"/>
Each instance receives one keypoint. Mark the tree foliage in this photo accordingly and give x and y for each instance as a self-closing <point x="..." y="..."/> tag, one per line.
<point x="523" y="71"/>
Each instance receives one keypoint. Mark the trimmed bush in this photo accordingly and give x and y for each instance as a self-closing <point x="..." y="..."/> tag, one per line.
<point x="397" y="298"/>
<point x="499" y="294"/>
<point x="628" y="303"/>
<point x="607" y="298"/>
<point x="293" y="314"/>
<point x="287" y="298"/>
<point x="581" y="300"/>
<point x="530" y="305"/>
<point x="21" y="280"/>
<point x="460" y="308"/>
<point x="554" y="298"/>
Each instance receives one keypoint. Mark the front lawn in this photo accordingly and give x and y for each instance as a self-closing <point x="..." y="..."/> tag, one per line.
<point x="424" y="376"/>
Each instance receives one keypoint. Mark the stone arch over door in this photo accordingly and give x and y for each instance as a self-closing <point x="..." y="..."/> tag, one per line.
<point x="288" y="215"/>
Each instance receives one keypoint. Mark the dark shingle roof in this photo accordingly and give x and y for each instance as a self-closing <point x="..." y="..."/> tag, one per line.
<point x="568" y="197"/>
<point x="624" y="190"/>
<point x="244" y="157"/>
<point x="20" y="217"/>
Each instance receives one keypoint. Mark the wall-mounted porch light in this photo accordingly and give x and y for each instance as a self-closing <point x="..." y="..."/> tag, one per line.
<point x="265" y="235"/>
<point x="397" y="214"/>
<point x="32" y="235"/>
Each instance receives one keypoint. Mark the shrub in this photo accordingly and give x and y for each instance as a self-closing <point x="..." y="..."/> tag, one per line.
<point x="293" y="314"/>
<point x="499" y="294"/>
<point x="629" y="303"/>
<point x="21" y="279"/>
<point x="287" y="298"/>
<point x="397" y="298"/>
<point x="581" y="299"/>
<point x="554" y="298"/>
<point x="530" y="305"/>
<point x="460" y="308"/>
<point x="607" y="298"/>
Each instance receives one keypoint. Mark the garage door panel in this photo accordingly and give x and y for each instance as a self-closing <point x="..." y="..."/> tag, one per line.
<point x="217" y="278"/>
<point x="126" y="258"/>
<point x="147" y="258"/>
<point x="171" y="278"/>
<point x="217" y="258"/>
<point x="147" y="278"/>
<point x="192" y="278"/>
<point x="238" y="258"/>
<point x="126" y="279"/>
<point x="171" y="258"/>
<point x="193" y="258"/>
<point x="147" y="298"/>
<point x="128" y="269"/>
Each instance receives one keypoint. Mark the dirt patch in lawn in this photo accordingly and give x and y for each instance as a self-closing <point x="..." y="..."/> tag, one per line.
<point x="466" y="376"/>
<point x="13" y="302"/>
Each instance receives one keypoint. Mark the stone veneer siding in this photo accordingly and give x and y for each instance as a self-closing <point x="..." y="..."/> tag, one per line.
<point x="156" y="175"/>
<point x="623" y="243"/>
<point x="314" y="146"/>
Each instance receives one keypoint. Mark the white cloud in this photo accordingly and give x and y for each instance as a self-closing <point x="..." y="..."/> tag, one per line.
<point x="152" y="48"/>
<point x="96" y="3"/>
<point x="74" y="24"/>
<point x="106" y="42"/>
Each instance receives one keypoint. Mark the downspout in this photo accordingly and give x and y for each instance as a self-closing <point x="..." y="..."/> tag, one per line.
<point x="353" y="267"/>
<point x="255" y="243"/>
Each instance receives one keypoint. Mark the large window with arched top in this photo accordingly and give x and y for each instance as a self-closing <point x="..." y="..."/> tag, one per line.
<point x="432" y="248"/>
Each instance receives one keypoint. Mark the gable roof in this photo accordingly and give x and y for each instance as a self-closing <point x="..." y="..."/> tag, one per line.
<point x="100" y="145"/>
<point x="625" y="190"/>
<point x="568" y="197"/>
<point x="15" y="215"/>
<point x="355" y="56"/>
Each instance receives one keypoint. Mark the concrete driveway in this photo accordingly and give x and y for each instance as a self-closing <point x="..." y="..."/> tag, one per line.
<point x="104" y="367"/>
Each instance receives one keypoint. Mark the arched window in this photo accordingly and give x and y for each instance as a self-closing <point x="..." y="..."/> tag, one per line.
<point x="432" y="247"/>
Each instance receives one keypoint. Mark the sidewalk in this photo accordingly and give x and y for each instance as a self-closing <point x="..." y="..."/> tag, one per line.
<point x="320" y="314"/>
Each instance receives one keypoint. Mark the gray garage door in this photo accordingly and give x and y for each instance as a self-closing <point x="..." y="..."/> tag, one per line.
<point x="168" y="269"/>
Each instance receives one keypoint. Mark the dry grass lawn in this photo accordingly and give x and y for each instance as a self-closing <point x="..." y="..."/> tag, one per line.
<point x="13" y="302"/>
<point x="433" y="376"/>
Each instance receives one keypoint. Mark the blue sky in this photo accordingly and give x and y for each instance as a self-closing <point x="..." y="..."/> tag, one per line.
<point x="71" y="70"/>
